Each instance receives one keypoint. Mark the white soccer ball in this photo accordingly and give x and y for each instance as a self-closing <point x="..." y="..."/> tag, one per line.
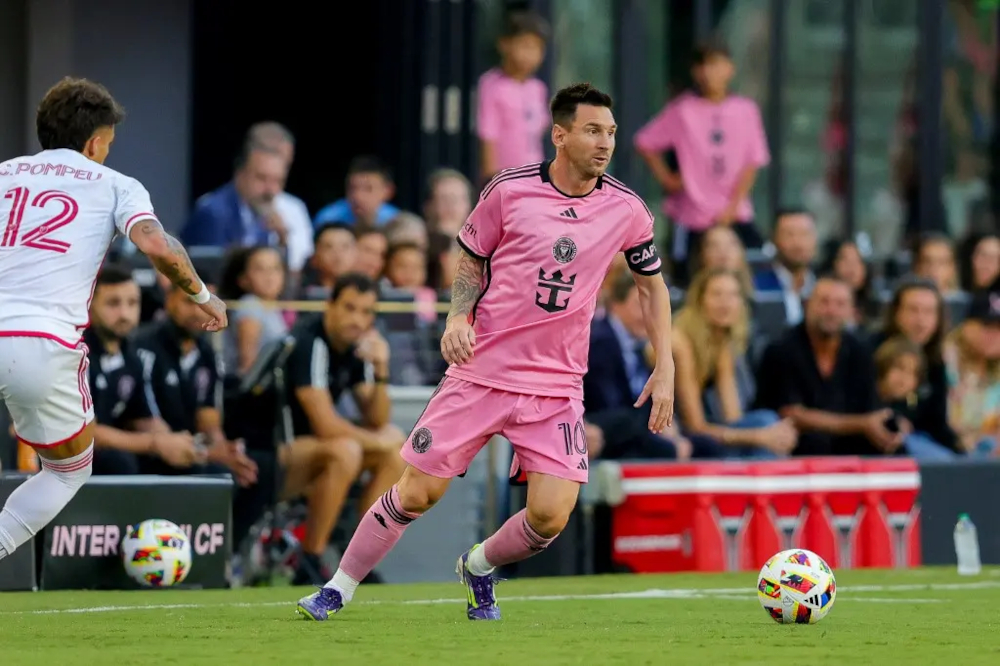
<point x="796" y="587"/>
<point x="156" y="553"/>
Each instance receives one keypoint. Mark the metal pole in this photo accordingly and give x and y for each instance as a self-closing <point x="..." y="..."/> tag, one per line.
<point x="630" y="88"/>
<point x="775" y="102"/>
<point x="930" y="65"/>
<point x="848" y="98"/>
<point x="702" y="20"/>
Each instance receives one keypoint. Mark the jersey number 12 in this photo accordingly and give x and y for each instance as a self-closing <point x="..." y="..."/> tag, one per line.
<point x="38" y="237"/>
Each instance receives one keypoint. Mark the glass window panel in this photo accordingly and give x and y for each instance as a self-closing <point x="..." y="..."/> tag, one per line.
<point x="885" y="106"/>
<point x="583" y="33"/>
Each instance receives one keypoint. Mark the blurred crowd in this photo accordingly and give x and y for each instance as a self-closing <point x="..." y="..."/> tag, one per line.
<point x="783" y="344"/>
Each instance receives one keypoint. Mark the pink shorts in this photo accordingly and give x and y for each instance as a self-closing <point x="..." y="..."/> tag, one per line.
<point x="547" y="433"/>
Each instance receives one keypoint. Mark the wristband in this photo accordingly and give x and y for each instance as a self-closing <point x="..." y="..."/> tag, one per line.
<point x="381" y="380"/>
<point x="203" y="296"/>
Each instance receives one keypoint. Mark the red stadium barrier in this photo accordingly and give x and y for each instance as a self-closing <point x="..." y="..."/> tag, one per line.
<point x="732" y="516"/>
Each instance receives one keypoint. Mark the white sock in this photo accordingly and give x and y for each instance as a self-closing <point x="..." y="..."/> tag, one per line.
<point x="38" y="500"/>
<point x="343" y="584"/>
<point x="477" y="564"/>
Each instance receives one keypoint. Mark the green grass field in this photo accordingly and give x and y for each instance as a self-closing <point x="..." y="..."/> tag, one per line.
<point x="925" y="616"/>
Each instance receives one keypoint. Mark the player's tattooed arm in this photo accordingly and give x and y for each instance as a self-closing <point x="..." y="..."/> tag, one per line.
<point x="467" y="286"/>
<point x="166" y="253"/>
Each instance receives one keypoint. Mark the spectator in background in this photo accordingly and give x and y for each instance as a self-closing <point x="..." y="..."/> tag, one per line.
<point x="619" y="366"/>
<point x="790" y="274"/>
<point x="442" y="260"/>
<point x="128" y="424"/>
<point x="823" y="378"/>
<point x="337" y="352"/>
<point x="291" y="210"/>
<point x="370" y="188"/>
<point x="972" y="366"/>
<point x="917" y="312"/>
<point x="846" y="263"/>
<point x="449" y="201"/>
<point x="406" y="266"/>
<point x="899" y="366"/>
<point x="721" y="249"/>
<point x="241" y="212"/>
<point x="335" y="255"/>
<point x="934" y="260"/>
<point x="252" y="276"/>
<point x="372" y="246"/>
<point x="715" y="385"/>
<point x="983" y="268"/>
<point x="407" y="228"/>
<point x="713" y="143"/>
<point x="180" y="366"/>
<point x="512" y="117"/>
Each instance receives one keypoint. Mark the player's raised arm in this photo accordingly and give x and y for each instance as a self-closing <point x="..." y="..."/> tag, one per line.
<point x="171" y="259"/>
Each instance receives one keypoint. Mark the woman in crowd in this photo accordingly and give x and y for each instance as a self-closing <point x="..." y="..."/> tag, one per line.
<point x="252" y="276"/>
<point x="917" y="312"/>
<point x="449" y="201"/>
<point x="983" y="269"/>
<point x="714" y="383"/>
<point x="846" y="263"/>
<point x="720" y="247"/>
<point x="934" y="260"/>
<point x="972" y="366"/>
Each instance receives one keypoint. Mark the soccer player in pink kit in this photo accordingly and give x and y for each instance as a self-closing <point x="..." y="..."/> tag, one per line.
<point x="534" y="254"/>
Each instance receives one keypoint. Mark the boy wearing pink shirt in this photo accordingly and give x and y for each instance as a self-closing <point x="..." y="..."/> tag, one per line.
<point x="714" y="143"/>
<point x="534" y="255"/>
<point x="512" y="115"/>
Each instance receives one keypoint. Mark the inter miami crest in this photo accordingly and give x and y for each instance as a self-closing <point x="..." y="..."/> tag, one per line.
<point x="564" y="250"/>
<point x="421" y="440"/>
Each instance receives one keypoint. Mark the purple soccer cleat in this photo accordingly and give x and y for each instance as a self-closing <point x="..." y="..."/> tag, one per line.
<point x="482" y="601"/>
<point x="320" y="605"/>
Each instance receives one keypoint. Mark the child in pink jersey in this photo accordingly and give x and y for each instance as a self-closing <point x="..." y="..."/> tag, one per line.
<point x="512" y="114"/>
<point x="535" y="251"/>
<point x="714" y="143"/>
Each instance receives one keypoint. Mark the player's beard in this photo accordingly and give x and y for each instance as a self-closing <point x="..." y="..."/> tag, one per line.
<point x="588" y="169"/>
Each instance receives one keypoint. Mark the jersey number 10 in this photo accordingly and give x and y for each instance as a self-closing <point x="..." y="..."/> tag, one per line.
<point x="38" y="237"/>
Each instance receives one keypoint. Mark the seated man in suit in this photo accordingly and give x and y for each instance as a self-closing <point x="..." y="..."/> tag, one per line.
<point x="241" y="212"/>
<point x="619" y="368"/>
<point x="795" y="245"/>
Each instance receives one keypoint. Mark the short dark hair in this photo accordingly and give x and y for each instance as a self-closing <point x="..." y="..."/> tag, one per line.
<point x="334" y="226"/>
<point x="564" y="103"/>
<point x="369" y="164"/>
<point x="251" y="147"/>
<point x="787" y="211"/>
<point x="72" y="110"/>
<point x="711" y="48"/>
<point x="113" y="274"/>
<point x="526" y="22"/>
<point x="357" y="281"/>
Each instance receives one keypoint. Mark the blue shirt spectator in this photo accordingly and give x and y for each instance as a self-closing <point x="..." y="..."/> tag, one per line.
<point x="369" y="189"/>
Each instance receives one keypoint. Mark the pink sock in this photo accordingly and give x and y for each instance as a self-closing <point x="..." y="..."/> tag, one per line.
<point x="377" y="533"/>
<point x="514" y="541"/>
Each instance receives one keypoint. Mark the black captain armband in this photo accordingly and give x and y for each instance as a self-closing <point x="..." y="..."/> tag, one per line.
<point x="644" y="258"/>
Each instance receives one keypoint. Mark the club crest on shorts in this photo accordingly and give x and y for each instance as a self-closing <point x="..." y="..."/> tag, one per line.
<point x="421" y="440"/>
<point x="564" y="250"/>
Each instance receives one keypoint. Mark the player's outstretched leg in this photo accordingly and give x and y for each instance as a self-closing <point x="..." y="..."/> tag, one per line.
<point x="526" y="533"/>
<point x="38" y="500"/>
<point x="377" y="534"/>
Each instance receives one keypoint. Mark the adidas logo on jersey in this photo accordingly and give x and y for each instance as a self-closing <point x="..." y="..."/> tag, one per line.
<point x="570" y="213"/>
<point x="583" y="464"/>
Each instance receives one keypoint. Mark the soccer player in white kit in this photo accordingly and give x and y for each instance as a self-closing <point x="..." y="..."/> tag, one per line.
<point x="59" y="212"/>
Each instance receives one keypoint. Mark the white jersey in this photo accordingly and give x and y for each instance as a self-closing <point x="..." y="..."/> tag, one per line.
<point x="59" y="212"/>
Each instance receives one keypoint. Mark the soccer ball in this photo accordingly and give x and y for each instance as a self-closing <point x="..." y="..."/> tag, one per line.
<point x="796" y="586"/>
<point x="156" y="553"/>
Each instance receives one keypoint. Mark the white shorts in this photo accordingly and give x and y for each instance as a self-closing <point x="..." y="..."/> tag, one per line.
<point x="45" y="387"/>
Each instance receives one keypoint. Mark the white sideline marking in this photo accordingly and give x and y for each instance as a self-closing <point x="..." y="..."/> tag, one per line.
<point x="733" y="593"/>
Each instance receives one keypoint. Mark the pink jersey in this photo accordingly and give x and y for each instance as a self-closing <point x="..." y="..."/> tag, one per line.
<point x="514" y="116"/>
<point x="714" y="143"/>
<point x="547" y="255"/>
<point x="59" y="212"/>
